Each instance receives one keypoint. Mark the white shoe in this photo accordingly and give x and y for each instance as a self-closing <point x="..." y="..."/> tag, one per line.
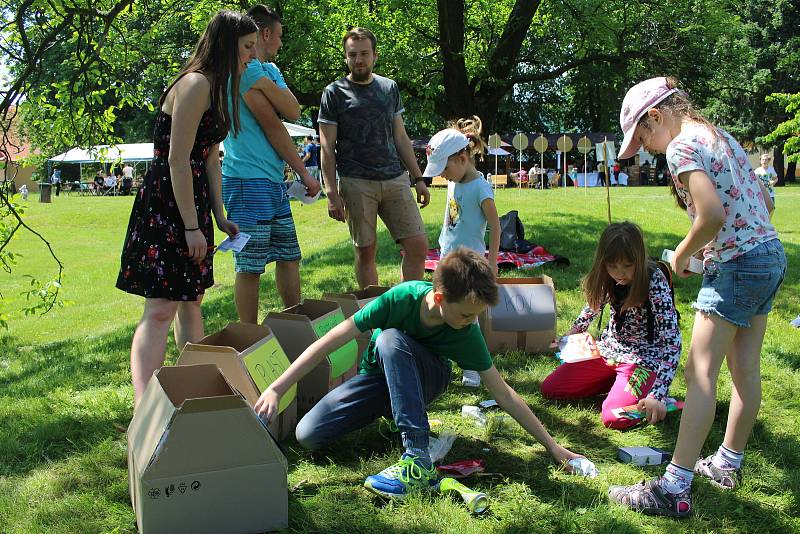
<point x="471" y="379"/>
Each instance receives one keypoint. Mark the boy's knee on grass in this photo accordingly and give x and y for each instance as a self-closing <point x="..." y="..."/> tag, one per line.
<point x="306" y="435"/>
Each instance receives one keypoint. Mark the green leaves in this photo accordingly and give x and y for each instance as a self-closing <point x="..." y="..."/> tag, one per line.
<point x="789" y="129"/>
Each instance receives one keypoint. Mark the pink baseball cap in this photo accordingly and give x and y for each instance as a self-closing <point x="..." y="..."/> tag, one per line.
<point x="441" y="146"/>
<point x="639" y="99"/>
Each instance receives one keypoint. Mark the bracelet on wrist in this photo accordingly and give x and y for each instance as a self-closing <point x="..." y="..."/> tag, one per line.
<point x="419" y="179"/>
<point x="191" y="229"/>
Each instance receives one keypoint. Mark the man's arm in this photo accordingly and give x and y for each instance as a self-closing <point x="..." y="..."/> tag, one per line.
<point x="327" y="154"/>
<point x="278" y="137"/>
<point x="283" y="100"/>
<point x="406" y="152"/>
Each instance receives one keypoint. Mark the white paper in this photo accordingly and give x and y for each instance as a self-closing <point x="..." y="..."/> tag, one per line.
<point x="583" y="467"/>
<point x="695" y="265"/>
<point x="298" y="191"/>
<point x="235" y="243"/>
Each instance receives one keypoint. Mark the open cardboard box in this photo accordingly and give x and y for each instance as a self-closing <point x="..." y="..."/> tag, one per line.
<point x="352" y="302"/>
<point x="200" y="460"/>
<point x="251" y="358"/>
<point x="524" y="317"/>
<point x="297" y="328"/>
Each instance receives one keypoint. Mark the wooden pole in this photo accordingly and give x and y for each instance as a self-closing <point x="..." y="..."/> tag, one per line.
<point x="608" y="178"/>
<point x="541" y="167"/>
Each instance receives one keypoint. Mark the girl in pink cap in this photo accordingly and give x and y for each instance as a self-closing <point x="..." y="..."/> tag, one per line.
<point x="744" y="264"/>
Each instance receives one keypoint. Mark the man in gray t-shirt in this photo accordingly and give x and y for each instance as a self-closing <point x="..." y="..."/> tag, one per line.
<point x="363" y="138"/>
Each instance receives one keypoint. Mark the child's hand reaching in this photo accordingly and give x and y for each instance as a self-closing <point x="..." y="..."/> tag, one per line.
<point x="653" y="409"/>
<point x="562" y="456"/>
<point x="267" y="404"/>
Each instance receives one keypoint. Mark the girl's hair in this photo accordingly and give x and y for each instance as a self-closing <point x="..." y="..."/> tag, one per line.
<point x="619" y="242"/>
<point x="216" y="56"/>
<point x="471" y="127"/>
<point x="679" y="105"/>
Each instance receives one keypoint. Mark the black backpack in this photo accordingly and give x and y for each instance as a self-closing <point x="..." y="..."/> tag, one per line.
<point x="512" y="234"/>
<point x="651" y="326"/>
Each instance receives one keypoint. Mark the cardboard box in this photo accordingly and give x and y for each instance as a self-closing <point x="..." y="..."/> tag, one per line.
<point x="524" y="317"/>
<point x="251" y="358"/>
<point x="200" y="460"/>
<point x="298" y="327"/>
<point x="643" y="456"/>
<point x="352" y="302"/>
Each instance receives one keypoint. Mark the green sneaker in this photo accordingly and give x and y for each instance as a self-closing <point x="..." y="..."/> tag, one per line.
<point x="406" y="476"/>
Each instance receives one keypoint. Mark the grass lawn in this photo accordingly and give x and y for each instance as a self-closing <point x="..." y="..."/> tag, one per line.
<point x="65" y="382"/>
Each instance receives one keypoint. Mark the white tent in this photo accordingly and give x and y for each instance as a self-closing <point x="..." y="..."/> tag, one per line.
<point x="498" y="152"/>
<point x="124" y="152"/>
<point x="138" y="151"/>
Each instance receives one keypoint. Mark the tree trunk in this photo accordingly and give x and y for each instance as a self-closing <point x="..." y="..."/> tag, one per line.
<point x="464" y="97"/>
<point x="779" y="164"/>
<point x="791" y="172"/>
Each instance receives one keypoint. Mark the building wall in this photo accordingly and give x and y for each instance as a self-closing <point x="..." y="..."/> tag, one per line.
<point x="21" y="175"/>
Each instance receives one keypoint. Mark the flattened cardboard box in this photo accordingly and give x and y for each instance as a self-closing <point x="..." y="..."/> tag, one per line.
<point x="297" y="328"/>
<point x="352" y="302"/>
<point x="251" y="358"/>
<point x="524" y="317"/>
<point x="200" y="460"/>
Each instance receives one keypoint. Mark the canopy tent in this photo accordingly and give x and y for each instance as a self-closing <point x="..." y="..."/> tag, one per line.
<point x="135" y="152"/>
<point x="498" y="152"/>
<point x="124" y="152"/>
<point x="138" y="151"/>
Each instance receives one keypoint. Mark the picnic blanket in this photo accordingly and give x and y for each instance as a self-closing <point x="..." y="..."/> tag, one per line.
<point x="509" y="260"/>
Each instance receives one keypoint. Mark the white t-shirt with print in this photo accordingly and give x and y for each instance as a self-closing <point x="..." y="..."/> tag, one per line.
<point x="747" y="221"/>
<point x="464" y="221"/>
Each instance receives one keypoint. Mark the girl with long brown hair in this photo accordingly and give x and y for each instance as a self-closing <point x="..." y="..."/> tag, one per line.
<point x="166" y="257"/>
<point x="641" y="346"/>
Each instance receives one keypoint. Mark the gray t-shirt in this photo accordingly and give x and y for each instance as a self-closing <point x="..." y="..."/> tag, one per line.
<point x="364" y="137"/>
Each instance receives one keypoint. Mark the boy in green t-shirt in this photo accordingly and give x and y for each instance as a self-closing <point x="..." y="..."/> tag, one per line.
<point x="422" y="327"/>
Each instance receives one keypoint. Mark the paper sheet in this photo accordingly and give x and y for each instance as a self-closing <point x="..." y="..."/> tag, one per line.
<point x="298" y="191"/>
<point x="235" y="243"/>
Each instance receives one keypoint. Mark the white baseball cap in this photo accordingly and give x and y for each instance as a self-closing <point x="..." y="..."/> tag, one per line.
<point x="441" y="146"/>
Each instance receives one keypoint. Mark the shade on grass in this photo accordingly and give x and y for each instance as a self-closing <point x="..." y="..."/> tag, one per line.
<point x="64" y="384"/>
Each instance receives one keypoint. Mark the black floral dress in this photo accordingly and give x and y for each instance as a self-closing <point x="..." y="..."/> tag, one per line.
<point x="154" y="260"/>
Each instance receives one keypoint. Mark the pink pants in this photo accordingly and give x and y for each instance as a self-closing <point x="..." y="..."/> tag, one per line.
<point x="626" y="384"/>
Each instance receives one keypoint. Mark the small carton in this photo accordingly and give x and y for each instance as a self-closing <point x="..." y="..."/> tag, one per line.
<point x="251" y="358"/>
<point x="643" y="456"/>
<point x="353" y="301"/>
<point x="524" y="317"/>
<point x="200" y="460"/>
<point x="297" y="328"/>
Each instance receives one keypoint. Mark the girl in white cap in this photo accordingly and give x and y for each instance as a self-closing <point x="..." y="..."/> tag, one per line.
<point x="744" y="264"/>
<point x="470" y="199"/>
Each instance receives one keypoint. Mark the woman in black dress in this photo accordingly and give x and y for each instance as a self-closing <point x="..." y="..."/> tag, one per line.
<point x="166" y="257"/>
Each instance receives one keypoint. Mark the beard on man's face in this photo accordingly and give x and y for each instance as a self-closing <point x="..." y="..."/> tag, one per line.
<point x="360" y="75"/>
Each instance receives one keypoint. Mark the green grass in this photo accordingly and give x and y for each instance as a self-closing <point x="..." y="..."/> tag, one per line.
<point x="65" y="382"/>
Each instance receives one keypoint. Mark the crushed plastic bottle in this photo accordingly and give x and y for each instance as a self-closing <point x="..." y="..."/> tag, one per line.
<point x="476" y="501"/>
<point x="473" y="412"/>
<point x="583" y="467"/>
<point x="439" y="447"/>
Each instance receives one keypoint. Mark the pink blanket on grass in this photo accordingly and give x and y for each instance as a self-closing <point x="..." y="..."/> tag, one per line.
<point x="506" y="259"/>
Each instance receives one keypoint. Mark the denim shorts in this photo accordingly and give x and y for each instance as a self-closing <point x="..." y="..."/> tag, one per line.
<point x="739" y="289"/>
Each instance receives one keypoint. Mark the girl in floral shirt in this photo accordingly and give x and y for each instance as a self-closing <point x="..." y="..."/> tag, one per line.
<point x="641" y="345"/>
<point x="744" y="264"/>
